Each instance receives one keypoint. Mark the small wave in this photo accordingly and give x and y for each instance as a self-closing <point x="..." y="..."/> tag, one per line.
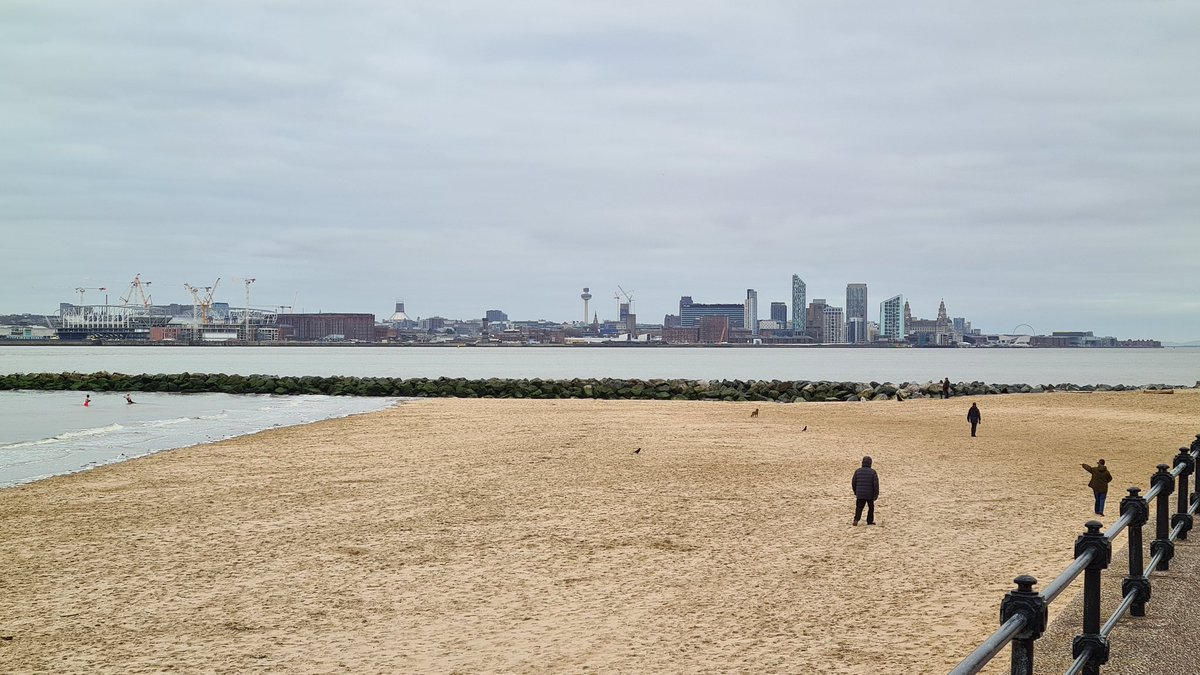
<point x="66" y="436"/>
<point x="154" y="424"/>
<point x="94" y="431"/>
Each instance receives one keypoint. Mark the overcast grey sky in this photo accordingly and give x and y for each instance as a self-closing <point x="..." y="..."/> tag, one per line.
<point x="1029" y="162"/>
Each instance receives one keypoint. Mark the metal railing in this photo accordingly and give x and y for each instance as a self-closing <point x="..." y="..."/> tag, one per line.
<point x="1024" y="611"/>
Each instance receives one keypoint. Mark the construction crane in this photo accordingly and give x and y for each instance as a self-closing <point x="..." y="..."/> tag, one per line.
<point x="628" y="298"/>
<point x="137" y="291"/>
<point x="201" y="305"/>
<point x="81" y="290"/>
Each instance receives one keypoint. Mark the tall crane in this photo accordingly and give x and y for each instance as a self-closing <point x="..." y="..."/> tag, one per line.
<point x="202" y="305"/>
<point x="138" y="291"/>
<point x="628" y="298"/>
<point x="246" y="335"/>
<point x="81" y="290"/>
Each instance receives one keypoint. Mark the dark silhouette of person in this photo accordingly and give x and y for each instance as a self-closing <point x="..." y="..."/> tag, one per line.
<point x="974" y="417"/>
<point x="866" y="490"/>
<point x="1099" y="483"/>
<point x="946" y="388"/>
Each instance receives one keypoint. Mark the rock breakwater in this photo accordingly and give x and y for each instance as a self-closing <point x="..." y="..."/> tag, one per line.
<point x="781" y="391"/>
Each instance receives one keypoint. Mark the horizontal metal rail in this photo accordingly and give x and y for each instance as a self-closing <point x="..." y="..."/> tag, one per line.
<point x="1153" y="492"/>
<point x="1152" y="566"/>
<point x="992" y="646"/>
<point x="1080" y="662"/>
<point x="996" y="642"/>
<point x="1126" y="603"/>
<point x="1060" y="583"/>
<point x="1115" y="530"/>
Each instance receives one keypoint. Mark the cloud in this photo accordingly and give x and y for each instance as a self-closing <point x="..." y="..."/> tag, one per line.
<point x="1028" y="163"/>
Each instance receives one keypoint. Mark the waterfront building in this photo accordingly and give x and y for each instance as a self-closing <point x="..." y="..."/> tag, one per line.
<point x="327" y="327"/>
<point x="939" y="331"/>
<point x="674" y="335"/>
<point x="856" y="331"/>
<point x="834" y="325"/>
<point x="799" y="305"/>
<point x="891" y="318"/>
<point x="750" y="309"/>
<point x="494" y="316"/>
<point x="714" y="329"/>
<point x="815" y="321"/>
<point x="856" y="309"/>
<point x="779" y="313"/>
<point x="690" y="312"/>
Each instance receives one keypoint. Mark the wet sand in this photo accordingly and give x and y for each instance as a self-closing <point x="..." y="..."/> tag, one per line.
<point x="526" y="536"/>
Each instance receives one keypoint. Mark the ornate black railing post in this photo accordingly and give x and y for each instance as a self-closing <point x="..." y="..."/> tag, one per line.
<point x="1090" y="639"/>
<point x="1196" y="492"/>
<point x="1162" y="531"/>
<point x="1182" y="516"/>
<point x="1136" y="581"/>
<point x="1029" y="602"/>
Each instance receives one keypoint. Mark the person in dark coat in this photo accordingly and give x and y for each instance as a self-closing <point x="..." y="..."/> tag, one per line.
<point x="974" y="417"/>
<point x="946" y="388"/>
<point x="866" y="490"/>
<point x="1099" y="483"/>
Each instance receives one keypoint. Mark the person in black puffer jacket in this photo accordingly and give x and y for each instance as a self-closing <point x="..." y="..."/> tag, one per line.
<point x="866" y="490"/>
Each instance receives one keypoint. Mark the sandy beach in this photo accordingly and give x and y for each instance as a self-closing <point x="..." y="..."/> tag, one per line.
<point x="457" y="536"/>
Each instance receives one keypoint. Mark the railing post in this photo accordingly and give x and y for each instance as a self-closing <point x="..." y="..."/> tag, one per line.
<point x="1029" y="602"/>
<point x="1162" y="530"/>
<point x="1182" y="516"/>
<point x="1136" y="581"/>
<point x="1195" y="448"/>
<point x="1090" y="639"/>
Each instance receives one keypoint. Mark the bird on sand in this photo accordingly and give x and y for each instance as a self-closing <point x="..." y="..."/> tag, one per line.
<point x="805" y="428"/>
<point x="637" y="451"/>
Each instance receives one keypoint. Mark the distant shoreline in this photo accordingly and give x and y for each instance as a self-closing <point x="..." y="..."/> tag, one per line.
<point x="602" y="345"/>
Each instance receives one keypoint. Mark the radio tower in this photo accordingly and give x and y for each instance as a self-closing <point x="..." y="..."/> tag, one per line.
<point x="586" y="295"/>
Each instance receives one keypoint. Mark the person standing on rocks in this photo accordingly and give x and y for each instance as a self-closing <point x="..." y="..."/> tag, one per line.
<point x="1099" y="483"/>
<point x="866" y="490"/>
<point x="946" y="388"/>
<point x="974" y="417"/>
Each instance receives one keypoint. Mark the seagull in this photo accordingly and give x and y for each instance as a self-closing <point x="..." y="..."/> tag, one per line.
<point x="637" y="451"/>
<point x="805" y="428"/>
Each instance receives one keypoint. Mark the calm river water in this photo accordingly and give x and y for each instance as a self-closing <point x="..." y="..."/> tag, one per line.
<point x="1179" y="366"/>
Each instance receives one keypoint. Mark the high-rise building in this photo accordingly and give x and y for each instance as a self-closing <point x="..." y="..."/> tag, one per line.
<point x="690" y="312"/>
<point x="856" y="331"/>
<point x="856" y="308"/>
<point x="799" y="304"/>
<point x="891" y="318"/>
<point x="815" y="321"/>
<point x="750" y="316"/>
<point x="779" y="313"/>
<point x="834" y="325"/>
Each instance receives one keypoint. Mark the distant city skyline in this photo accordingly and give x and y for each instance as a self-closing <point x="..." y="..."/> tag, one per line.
<point x="742" y="308"/>
<point x="1020" y="164"/>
